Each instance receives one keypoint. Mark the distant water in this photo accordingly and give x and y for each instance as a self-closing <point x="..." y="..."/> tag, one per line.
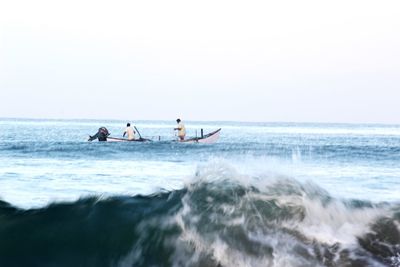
<point x="267" y="194"/>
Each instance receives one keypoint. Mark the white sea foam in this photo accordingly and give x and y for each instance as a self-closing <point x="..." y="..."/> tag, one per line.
<point x="319" y="219"/>
<point x="335" y="222"/>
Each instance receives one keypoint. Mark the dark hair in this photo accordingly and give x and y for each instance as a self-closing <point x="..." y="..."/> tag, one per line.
<point x="128" y="124"/>
<point x="178" y="120"/>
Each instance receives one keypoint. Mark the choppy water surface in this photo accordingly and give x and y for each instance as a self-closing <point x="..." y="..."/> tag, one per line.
<point x="267" y="194"/>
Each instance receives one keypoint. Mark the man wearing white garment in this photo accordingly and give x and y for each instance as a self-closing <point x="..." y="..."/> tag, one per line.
<point x="130" y="132"/>
<point x="181" y="130"/>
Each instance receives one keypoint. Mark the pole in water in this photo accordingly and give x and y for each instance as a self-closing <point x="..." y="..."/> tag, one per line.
<point x="202" y="135"/>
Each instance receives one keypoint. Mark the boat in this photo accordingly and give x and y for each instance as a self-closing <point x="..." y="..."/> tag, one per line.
<point x="205" y="139"/>
<point x="103" y="135"/>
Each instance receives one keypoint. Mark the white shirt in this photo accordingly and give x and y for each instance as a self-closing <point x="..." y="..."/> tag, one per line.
<point x="182" y="129"/>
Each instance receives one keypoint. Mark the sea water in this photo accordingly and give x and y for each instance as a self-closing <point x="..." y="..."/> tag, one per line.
<point x="266" y="194"/>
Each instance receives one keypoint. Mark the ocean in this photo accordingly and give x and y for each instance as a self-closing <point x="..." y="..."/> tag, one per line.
<point x="266" y="194"/>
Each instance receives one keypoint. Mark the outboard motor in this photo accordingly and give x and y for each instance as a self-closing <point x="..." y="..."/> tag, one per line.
<point x="101" y="134"/>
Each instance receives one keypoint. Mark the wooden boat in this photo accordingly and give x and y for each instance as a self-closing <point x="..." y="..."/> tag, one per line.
<point x="205" y="139"/>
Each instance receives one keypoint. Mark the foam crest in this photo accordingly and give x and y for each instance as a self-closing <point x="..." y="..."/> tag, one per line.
<point x="276" y="220"/>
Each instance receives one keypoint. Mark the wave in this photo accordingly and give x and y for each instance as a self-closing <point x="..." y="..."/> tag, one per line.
<point x="220" y="218"/>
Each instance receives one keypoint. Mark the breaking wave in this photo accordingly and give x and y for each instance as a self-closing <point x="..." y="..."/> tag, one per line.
<point x="220" y="218"/>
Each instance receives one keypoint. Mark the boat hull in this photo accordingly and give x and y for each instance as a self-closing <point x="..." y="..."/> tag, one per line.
<point x="206" y="139"/>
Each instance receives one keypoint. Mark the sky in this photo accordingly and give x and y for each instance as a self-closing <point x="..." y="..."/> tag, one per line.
<point x="269" y="61"/>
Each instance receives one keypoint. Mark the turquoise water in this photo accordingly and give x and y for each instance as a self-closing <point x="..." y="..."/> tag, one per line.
<point x="328" y="191"/>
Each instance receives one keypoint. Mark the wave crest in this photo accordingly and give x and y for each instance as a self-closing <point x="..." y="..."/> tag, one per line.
<point x="220" y="218"/>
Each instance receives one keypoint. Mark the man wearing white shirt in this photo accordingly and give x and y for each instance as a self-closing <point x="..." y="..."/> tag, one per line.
<point x="181" y="130"/>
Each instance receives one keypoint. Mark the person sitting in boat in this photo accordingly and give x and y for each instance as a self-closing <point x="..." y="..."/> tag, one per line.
<point x="181" y="130"/>
<point x="101" y="134"/>
<point x="130" y="132"/>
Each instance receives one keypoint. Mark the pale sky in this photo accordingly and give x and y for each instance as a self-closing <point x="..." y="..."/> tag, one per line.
<point x="295" y="61"/>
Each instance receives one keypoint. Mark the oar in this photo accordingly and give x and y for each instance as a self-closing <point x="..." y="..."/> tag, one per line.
<point x="138" y="132"/>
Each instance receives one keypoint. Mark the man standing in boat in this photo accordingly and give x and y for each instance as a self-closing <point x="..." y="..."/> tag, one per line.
<point x="130" y="132"/>
<point x="181" y="130"/>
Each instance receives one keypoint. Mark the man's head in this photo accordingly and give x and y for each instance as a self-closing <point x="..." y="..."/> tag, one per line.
<point x="178" y="120"/>
<point x="128" y="124"/>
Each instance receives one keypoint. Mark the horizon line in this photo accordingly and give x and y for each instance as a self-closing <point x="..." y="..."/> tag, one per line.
<point x="222" y="121"/>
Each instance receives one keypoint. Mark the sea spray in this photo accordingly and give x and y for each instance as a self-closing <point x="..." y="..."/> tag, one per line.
<point x="220" y="218"/>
